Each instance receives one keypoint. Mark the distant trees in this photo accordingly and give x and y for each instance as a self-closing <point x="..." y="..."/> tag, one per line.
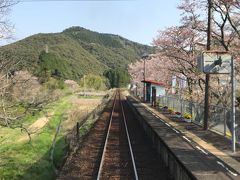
<point x="92" y="81"/>
<point x="117" y="77"/>
<point x="111" y="78"/>
<point x="90" y="36"/>
<point x="49" y="65"/>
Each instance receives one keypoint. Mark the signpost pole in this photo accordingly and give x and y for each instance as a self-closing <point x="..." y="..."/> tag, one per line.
<point x="220" y="62"/>
<point x="207" y="80"/>
<point x="144" y="57"/>
<point x="233" y="107"/>
<point x="144" y="78"/>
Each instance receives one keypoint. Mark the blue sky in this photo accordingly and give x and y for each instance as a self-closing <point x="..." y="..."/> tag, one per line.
<point x="137" y="20"/>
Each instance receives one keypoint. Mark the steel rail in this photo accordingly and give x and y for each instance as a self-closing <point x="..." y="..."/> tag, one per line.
<point x="128" y="138"/>
<point x="129" y="142"/>
<point x="106" y="140"/>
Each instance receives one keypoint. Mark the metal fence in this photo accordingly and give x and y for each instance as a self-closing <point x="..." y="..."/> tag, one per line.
<point x="217" y="114"/>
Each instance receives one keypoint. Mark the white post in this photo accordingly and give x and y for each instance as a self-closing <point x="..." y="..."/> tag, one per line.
<point x="84" y="85"/>
<point x="233" y="107"/>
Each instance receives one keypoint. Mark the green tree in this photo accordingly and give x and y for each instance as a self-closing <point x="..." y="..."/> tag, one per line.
<point x="43" y="70"/>
<point x="117" y="77"/>
<point x="53" y="84"/>
<point x="92" y="81"/>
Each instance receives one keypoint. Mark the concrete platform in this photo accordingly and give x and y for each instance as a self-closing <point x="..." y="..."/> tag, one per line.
<point x="188" y="153"/>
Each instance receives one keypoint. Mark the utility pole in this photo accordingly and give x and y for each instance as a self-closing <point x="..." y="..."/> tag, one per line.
<point x="209" y="37"/>
<point x="233" y="110"/>
<point x="136" y="90"/>
<point x="84" y="85"/>
<point x="46" y="48"/>
<point x="144" y="57"/>
<point x="144" y="78"/>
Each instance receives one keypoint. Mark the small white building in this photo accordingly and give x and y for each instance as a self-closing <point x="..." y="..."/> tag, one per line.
<point x="153" y="89"/>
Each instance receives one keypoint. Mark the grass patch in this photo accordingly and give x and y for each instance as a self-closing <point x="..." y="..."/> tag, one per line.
<point x="90" y="97"/>
<point x="21" y="160"/>
<point x="51" y="107"/>
<point x="86" y="127"/>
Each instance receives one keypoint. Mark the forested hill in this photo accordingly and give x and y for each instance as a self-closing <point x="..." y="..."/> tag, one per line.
<point x="74" y="52"/>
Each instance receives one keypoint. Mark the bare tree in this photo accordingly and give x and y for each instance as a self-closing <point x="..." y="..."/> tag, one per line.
<point x="5" y="26"/>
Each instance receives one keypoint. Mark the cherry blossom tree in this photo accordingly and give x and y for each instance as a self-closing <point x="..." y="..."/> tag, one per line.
<point x="179" y="46"/>
<point x="6" y="67"/>
<point x="225" y="33"/>
<point x="156" y="69"/>
<point x="21" y="93"/>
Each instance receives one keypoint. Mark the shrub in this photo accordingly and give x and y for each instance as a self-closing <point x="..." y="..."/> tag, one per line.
<point x="187" y="115"/>
<point x="53" y="84"/>
<point x="178" y="113"/>
<point x="158" y="102"/>
<point x="165" y="107"/>
<point x="93" y="82"/>
<point x="171" y="110"/>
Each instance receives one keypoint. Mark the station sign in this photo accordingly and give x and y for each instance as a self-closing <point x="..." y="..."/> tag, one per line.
<point x="216" y="62"/>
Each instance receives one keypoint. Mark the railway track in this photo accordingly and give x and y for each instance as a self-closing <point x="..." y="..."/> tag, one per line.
<point x="115" y="148"/>
<point x="117" y="160"/>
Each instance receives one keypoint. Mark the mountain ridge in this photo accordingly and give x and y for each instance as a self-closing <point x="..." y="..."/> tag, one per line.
<point x="74" y="52"/>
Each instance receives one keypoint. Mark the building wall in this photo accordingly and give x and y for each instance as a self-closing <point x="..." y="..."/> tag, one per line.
<point x="160" y="91"/>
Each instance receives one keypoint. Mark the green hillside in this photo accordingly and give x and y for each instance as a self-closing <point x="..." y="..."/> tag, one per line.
<point x="111" y="50"/>
<point x="74" y="52"/>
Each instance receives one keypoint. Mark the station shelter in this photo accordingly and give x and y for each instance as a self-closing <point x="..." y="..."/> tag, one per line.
<point x="153" y="89"/>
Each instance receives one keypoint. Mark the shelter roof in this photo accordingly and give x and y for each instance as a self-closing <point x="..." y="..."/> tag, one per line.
<point x="154" y="82"/>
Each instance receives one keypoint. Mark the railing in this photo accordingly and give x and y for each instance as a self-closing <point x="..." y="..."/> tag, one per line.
<point x="217" y="116"/>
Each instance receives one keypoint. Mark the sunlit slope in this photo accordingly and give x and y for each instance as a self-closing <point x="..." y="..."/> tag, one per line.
<point x="74" y="52"/>
<point x="111" y="50"/>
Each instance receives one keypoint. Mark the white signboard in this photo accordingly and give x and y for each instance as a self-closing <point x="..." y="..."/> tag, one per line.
<point x="216" y="62"/>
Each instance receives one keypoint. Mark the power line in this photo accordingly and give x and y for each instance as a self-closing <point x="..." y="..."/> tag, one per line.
<point x="66" y="0"/>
